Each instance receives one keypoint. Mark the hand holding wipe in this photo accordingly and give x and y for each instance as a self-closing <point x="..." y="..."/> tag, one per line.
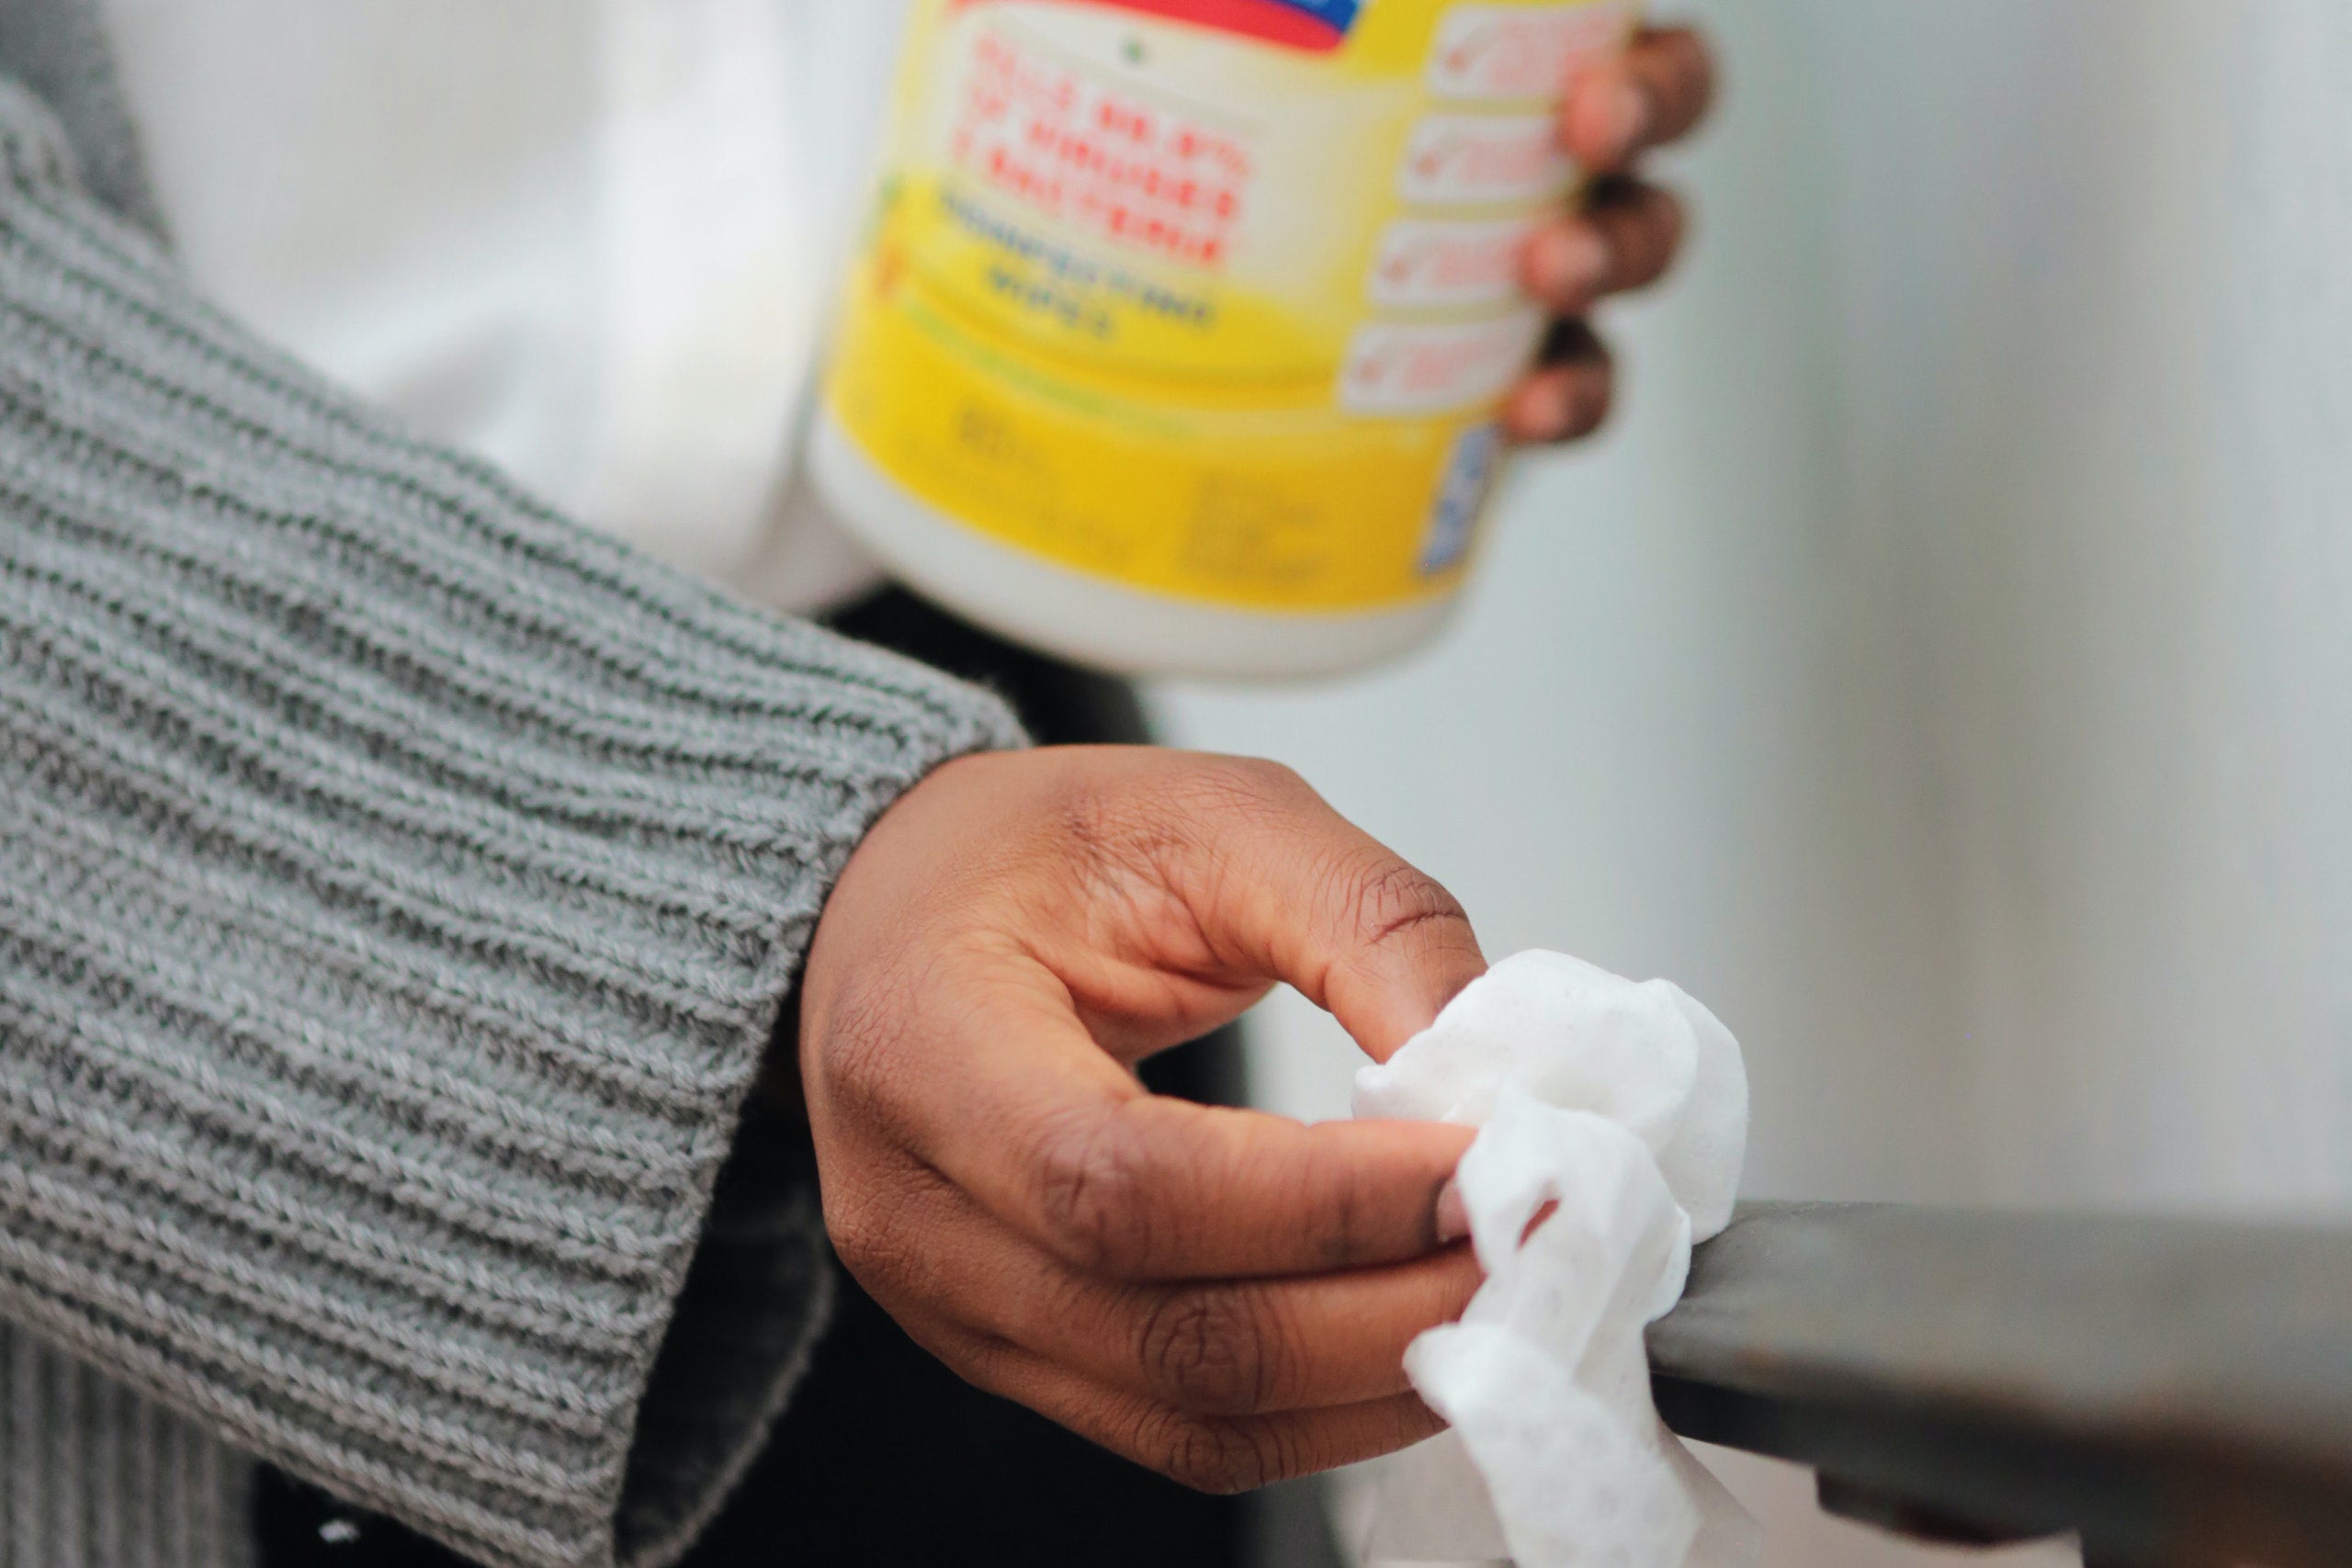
<point x="1613" y="1122"/>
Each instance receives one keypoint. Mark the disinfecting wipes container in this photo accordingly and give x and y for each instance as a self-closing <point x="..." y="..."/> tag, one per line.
<point x="1178" y="335"/>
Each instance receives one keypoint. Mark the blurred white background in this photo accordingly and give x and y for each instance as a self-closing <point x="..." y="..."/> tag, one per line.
<point x="1944" y="666"/>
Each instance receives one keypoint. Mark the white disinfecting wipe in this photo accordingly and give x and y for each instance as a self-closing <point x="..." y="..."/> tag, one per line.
<point x="1626" y="1104"/>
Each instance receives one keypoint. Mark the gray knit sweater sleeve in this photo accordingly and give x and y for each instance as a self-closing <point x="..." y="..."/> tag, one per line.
<point x="396" y="886"/>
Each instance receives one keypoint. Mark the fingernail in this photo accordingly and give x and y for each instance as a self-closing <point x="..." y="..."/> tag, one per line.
<point x="1453" y="1214"/>
<point x="1546" y="409"/>
<point x="1569" y="264"/>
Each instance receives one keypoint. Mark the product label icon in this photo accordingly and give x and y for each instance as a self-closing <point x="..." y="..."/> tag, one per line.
<point x="1402" y="369"/>
<point x="1456" y="160"/>
<point x="1450" y="262"/>
<point x="1318" y="24"/>
<point x="1520" y="52"/>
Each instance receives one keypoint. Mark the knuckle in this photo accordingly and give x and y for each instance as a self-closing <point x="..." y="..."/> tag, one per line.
<point x="1673" y="213"/>
<point x="1690" y="64"/>
<point x="1090" y="818"/>
<point x="1347" y="1220"/>
<point x="860" y="1233"/>
<point x="853" y="1046"/>
<point x="1254" y="787"/>
<point x="1643" y="225"/>
<point x="1212" y="1455"/>
<point x="880" y="1216"/>
<point x="1389" y="899"/>
<point x="1667" y="220"/>
<point x="1094" y="1184"/>
<point x="1111" y="830"/>
<point x="1268" y="778"/>
<point x="1595" y="394"/>
<point x="1212" y="1349"/>
<point x="848" y="1229"/>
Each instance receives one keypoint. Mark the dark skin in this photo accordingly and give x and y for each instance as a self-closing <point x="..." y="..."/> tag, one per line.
<point x="1625" y="234"/>
<point x="1222" y="1295"/>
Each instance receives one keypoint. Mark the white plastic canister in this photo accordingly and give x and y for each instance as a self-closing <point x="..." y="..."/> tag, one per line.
<point x="1177" y="335"/>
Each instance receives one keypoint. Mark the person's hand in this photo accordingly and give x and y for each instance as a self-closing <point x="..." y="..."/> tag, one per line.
<point x="1624" y="233"/>
<point x="1222" y="1295"/>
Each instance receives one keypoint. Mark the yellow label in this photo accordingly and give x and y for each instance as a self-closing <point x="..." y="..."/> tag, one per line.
<point x="1215" y="298"/>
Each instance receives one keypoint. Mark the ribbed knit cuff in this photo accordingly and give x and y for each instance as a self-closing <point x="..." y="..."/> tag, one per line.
<point x="759" y="1295"/>
<point x="396" y="886"/>
<point x="91" y="1473"/>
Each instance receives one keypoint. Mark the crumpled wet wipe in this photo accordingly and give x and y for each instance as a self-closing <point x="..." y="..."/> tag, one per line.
<point x="1612" y="1120"/>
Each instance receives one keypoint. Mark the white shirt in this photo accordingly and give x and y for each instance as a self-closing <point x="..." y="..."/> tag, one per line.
<point x="593" y="241"/>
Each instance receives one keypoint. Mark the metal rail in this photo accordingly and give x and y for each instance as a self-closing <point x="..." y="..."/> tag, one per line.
<point x="2178" y="1391"/>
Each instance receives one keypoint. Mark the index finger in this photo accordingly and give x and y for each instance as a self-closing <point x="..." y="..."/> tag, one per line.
<point x="1657" y="91"/>
<point x="1283" y="887"/>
